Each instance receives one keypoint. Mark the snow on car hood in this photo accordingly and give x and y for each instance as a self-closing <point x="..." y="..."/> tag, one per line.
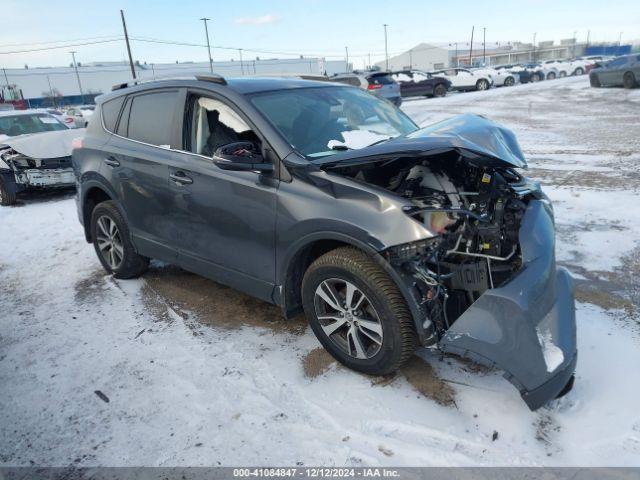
<point x="54" y="144"/>
<point x="473" y="136"/>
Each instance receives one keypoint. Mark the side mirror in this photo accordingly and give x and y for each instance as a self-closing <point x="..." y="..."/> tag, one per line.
<point x="241" y="156"/>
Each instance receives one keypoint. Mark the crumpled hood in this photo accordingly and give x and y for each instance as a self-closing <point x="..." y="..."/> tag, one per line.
<point x="54" y="144"/>
<point x="472" y="136"/>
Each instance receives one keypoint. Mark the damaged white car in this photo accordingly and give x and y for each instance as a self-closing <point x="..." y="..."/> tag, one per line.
<point x="35" y="153"/>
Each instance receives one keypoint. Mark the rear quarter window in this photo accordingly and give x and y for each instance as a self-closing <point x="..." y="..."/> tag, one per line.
<point x="111" y="111"/>
<point x="151" y="117"/>
<point x="381" y="80"/>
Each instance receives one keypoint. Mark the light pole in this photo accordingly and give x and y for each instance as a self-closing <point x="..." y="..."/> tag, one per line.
<point x="206" y="31"/>
<point x="588" y="37"/>
<point x="369" y="55"/>
<point x="574" y="44"/>
<point x="484" y="48"/>
<point x="471" y="49"/>
<point x="75" y="66"/>
<point x="346" y="60"/>
<point x="386" y="51"/>
<point x="533" y="57"/>
<point x="410" y="59"/>
<point x="456" y="55"/>
<point x="241" y="65"/>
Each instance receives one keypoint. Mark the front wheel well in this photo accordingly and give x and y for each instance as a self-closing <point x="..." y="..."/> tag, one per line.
<point x="292" y="301"/>
<point x="94" y="196"/>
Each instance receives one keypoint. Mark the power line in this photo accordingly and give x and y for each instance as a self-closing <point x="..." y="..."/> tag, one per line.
<point x="61" y="46"/>
<point x="48" y="42"/>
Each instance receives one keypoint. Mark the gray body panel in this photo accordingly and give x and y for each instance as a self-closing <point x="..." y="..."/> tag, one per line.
<point x="526" y="327"/>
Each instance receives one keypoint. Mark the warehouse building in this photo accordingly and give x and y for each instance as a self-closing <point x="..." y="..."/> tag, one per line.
<point x="40" y="86"/>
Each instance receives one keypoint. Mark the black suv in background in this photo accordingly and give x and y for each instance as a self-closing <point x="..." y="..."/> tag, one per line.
<point x="319" y="197"/>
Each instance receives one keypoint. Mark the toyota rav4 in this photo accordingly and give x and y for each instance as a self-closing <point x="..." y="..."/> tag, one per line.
<point x="322" y="198"/>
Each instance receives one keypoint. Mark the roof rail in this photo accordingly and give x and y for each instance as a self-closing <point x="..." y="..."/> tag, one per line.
<point x="212" y="77"/>
<point x="120" y="86"/>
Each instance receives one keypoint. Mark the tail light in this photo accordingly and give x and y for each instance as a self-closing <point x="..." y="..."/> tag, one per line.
<point x="68" y="120"/>
<point x="76" y="143"/>
<point x="374" y="86"/>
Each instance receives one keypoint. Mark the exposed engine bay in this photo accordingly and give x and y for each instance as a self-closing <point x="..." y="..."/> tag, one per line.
<point x="474" y="213"/>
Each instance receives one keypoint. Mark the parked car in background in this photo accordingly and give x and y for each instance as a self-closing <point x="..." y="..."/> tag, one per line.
<point x="620" y="72"/>
<point x="322" y="199"/>
<point x="564" y="68"/>
<point x="416" y="83"/>
<point x="35" y="153"/>
<point x="380" y="84"/>
<point x="24" y="122"/>
<point x="464" y="79"/>
<point x="501" y="78"/>
<point x="524" y="76"/>
<point x="81" y="114"/>
<point x="68" y="120"/>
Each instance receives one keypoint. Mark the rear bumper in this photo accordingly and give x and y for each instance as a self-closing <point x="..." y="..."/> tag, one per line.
<point x="526" y="327"/>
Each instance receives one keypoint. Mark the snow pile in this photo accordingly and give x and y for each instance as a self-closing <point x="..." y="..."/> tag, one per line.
<point x="354" y="139"/>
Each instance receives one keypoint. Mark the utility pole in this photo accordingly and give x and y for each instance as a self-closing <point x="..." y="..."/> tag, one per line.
<point x="533" y="58"/>
<point x="241" y="64"/>
<point x="471" y="49"/>
<point x="206" y="31"/>
<point x="369" y="60"/>
<point x="410" y="59"/>
<point x="484" y="46"/>
<point x="75" y="65"/>
<point x="574" y="44"/>
<point x="386" y="50"/>
<point x="346" y="60"/>
<point x="126" y="39"/>
<point x="53" y="98"/>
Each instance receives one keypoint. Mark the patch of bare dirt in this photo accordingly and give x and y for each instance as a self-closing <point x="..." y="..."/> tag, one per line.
<point x="212" y="303"/>
<point x="423" y="378"/>
<point x="90" y="287"/>
<point x="317" y="362"/>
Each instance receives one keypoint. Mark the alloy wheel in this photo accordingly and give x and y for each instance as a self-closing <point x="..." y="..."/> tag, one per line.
<point x="348" y="318"/>
<point x="109" y="242"/>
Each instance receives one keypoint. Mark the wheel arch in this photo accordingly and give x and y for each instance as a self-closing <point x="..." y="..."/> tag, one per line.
<point x="306" y="251"/>
<point x="94" y="192"/>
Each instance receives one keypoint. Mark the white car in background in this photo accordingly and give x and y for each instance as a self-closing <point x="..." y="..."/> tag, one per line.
<point x="501" y="78"/>
<point x="81" y="114"/>
<point x="465" y="79"/>
<point x="564" y="67"/>
<point x="68" y="120"/>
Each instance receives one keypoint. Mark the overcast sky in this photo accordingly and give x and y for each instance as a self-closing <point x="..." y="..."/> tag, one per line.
<point x="320" y="27"/>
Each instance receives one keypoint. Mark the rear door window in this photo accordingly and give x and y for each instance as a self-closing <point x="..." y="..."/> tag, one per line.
<point x="151" y="117"/>
<point x="381" y="80"/>
<point x="110" y="112"/>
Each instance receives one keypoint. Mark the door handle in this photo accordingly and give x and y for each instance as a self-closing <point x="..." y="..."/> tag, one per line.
<point x="180" y="178"/>
<point x="112" y="162"/>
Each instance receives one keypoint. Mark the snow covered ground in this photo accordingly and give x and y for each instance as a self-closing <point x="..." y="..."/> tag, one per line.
<point x="197" y="374"/>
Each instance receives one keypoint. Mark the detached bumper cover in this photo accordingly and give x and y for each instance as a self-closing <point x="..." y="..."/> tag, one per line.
<point x="526" y="327"/>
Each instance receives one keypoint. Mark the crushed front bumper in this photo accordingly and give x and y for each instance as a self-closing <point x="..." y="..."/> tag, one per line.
<point x="526" y="327"/>
<point x="33" y="177"/>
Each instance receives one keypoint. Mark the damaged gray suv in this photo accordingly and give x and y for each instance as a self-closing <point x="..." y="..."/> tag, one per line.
<point x="322" y="198"/>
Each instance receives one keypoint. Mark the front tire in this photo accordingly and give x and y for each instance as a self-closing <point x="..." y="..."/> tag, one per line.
<point x="563" y="74"/>
<point x="7" y="194"/>
<point x="509" y="82"/>
<point x="357" y="312"/>
<point x="579" y="71"/>
<point x="629" y="80"/>
<point x="536" y="77"/>
<point x="440" y="90"/>
<point x="551" y="76"/>
<point x="112" y="242"/>
<point x="482" y="84"/>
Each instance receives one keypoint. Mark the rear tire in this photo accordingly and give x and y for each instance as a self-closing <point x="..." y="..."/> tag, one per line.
<point x="509" y="82"/>
<point x="112" y="242"/>
<point x="551" y="76"/>
<point x="374" y="299"/>
<point x="563" y="74"/>
<point x="579" y="71"/>
<point x="536" y="77"/>
<point x="629" y="80"/>
<point x="7" y="194"/>
<point x="439" y="90"/>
